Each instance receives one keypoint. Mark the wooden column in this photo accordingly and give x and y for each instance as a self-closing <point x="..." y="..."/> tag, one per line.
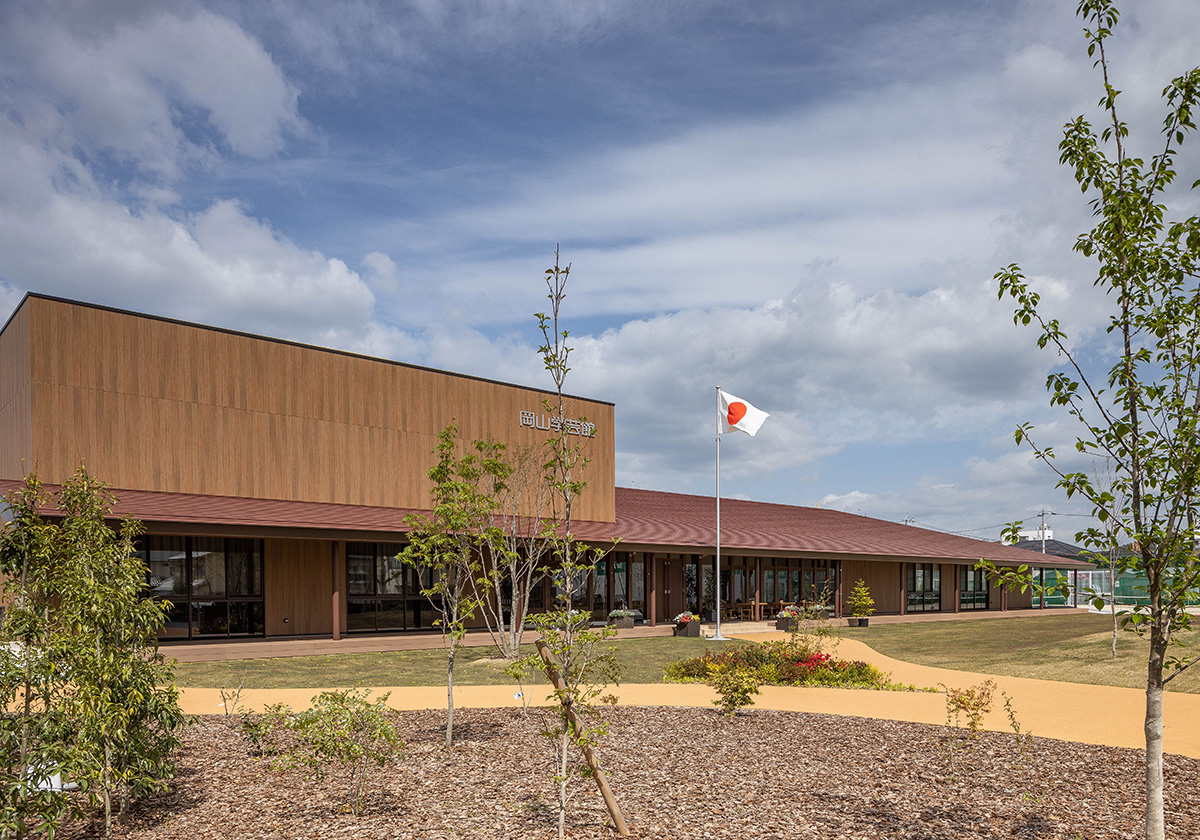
<point x="758" y="589"/>
<point x="903" y="592"/>
<point x="837" y="587"/>
<point x="651" y="569"/>
<point x="957" y="589"/>
<point x="337" y="591"/>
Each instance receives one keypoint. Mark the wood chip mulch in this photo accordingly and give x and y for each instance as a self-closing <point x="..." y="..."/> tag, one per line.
<point x="677" y="773"/>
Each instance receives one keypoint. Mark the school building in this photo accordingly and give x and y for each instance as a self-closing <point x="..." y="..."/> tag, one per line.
<point x="274" y="478"/>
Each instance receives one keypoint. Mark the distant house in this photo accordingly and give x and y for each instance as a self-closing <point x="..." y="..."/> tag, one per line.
<point x="274" y="478"/>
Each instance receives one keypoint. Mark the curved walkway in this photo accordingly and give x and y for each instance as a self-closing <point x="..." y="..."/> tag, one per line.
<point x="1091" y="714"/>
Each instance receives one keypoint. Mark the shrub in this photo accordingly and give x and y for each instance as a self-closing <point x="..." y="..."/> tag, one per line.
<point x="860" y="602"/>
<point x="340" y="727"/>
<point x="737" y="687"/>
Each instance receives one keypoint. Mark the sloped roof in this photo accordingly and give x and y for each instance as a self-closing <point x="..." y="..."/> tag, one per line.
<point x="1056" y="547"/>
<point x="645" y="520"/>
<point x="190" y="508"/>
<point x="652" y="518"/>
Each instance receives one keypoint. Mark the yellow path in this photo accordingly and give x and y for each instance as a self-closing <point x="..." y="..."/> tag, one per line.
<point x="1091" y="714"/>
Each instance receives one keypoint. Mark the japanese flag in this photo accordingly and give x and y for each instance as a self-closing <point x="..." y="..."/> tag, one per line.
<point x="737" y="414"/>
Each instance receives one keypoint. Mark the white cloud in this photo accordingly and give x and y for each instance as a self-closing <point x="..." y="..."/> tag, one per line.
<point x="158" y="91"/>
<point x="125" y="90"/>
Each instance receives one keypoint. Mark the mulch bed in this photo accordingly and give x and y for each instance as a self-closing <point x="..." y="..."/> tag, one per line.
<point x="677" y="773"/>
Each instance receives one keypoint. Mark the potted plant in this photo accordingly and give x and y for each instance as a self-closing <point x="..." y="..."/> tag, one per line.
<point x="687" y="624"/>
<point x="861" y="604"/>
<point x="622" y="619"/>
<point x="788" y="618"/>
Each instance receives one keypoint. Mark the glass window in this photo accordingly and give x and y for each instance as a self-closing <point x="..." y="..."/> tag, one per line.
<point x="210" y="618"/>
<point x="537" y="596"/>
<point x="246" y="618"/>
<point x="637" y="599"/>
<point x="620" y="584"/>
<point x="769" y="585"/>
<point x="391" y="575"/>
<point x="924" y="585"/>
<point x="600" y="590"/>
<point x="244" y="561"/>
<point x="214" y="584"/>
<point x="973" y="589"/>
<point x="208" y="567"/>
<point x="360" y="569"/>
<point x="360" y="615"/>
<point x="166" y="561"/>
<point x="176" y="626"/>
<point x="390" y="615"/>
<point x="691" y="587"/>
<point x="708" y="585"/>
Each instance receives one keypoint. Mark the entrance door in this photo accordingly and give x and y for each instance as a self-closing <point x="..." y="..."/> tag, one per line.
<point x="671" y="598"/>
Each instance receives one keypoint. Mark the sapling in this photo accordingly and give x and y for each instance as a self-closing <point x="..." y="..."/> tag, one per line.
<point x="340" y="728"/>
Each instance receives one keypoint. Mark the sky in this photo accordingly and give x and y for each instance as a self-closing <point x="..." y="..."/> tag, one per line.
<point x="802" y="203"/>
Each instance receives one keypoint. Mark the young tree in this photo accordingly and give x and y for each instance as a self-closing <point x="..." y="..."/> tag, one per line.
<point x="33" y="745"/>
<point x="574" y="657"/>
<point x="518" y="551"/>
<point x="122" y="704"/>
<point x="338" y="728"/>
<point x="447" y="547"/>
<point x="102" y="697"/>
<point x="1143" y="416"/>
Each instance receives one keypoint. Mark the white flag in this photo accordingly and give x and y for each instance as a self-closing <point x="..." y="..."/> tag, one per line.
<point x="737" y="414"/>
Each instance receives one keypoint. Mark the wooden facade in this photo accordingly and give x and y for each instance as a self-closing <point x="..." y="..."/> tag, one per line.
<point x="154" y="404"/>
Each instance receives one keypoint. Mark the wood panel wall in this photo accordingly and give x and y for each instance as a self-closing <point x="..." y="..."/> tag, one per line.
<point x="15" y="390"/>
<point x="159" y="405"/>
<point x="298" y="586"/>
<point x="1018" y="600"/>
<point x="949" y="574"/>
<point x="883" y="579"/>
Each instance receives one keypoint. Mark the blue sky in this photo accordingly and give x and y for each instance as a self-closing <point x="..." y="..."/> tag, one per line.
<point x="802" y="202"/>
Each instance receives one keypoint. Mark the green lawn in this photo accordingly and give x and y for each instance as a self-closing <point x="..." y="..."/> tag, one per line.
<point x="1069" y="647"/>
<point x="642" y="661"/>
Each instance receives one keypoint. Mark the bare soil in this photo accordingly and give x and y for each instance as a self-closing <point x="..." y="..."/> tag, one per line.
<point x="678" y="773"/>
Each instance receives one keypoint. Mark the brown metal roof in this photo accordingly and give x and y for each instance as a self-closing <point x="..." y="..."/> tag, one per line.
<point x="652" y="518"/>
<point x="646" y="519"/>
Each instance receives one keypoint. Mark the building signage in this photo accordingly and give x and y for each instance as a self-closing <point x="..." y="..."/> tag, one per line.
<point x="547" y="423"/>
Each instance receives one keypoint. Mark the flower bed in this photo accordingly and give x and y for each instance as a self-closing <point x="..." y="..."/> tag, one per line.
<point x="782" y="663"/>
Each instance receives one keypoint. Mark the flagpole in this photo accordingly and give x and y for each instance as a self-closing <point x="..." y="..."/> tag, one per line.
<point x="718" y="636"/>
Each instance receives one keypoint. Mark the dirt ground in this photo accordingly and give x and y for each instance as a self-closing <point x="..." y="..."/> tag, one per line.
<point x="678" y="773"/>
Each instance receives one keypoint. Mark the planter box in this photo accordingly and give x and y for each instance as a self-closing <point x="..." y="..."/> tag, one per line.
<point x="859" y="622"/>
<point x="690" y="629"/>
<point x="787" y="625"/>
<point x="625" y="623"/>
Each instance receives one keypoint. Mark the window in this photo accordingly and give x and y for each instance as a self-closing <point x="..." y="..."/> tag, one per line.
<point x="214" y="585"/>
<point x="924" y="587"/>
<point x="973" y="589"/>
<point x="382" y="593"/>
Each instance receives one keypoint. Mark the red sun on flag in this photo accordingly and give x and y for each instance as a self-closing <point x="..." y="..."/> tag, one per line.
<point x="737" y="410"/>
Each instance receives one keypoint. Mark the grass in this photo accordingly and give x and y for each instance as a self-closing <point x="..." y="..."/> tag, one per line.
<point x="642" y="661"/>
<point x="1068" y="647"/>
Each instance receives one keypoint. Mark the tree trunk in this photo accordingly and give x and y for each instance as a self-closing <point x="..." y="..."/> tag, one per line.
<point x="1155" y="828"/>
<point x="450" y="695"/>
<point x="564" y="748"/>
<point x="1112" y="597"/>
<point x="106" y="782"/>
